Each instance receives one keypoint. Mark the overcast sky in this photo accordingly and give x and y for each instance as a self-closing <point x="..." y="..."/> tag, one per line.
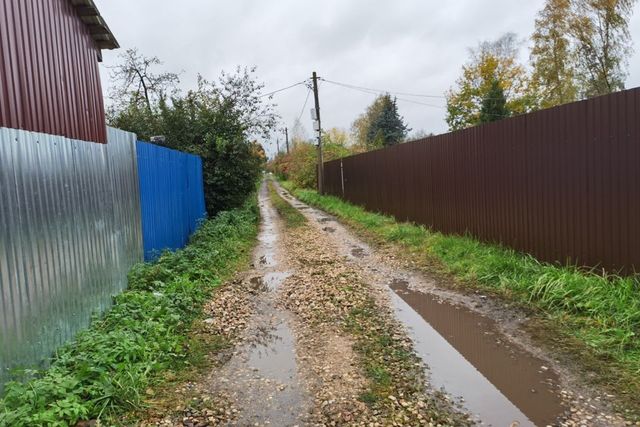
<point x="415" y="46"/>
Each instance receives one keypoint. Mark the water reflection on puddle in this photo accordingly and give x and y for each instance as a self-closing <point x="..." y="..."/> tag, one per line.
<point x="467" y="355"/>
<point x="273" y="357"/>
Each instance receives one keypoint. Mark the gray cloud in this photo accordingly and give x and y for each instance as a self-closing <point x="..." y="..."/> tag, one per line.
<point x="406" y="45"/>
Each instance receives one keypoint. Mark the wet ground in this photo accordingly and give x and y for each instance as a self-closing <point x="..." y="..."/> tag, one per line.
<point x="262" y="376"/>
<point x="293" y="364"/>
<point x="498" y="379"/>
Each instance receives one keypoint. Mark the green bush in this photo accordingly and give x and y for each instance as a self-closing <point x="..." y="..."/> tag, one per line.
<point x="230" y="171"/>
<point x="215" y="120"/>
<point x="106" y="370"/>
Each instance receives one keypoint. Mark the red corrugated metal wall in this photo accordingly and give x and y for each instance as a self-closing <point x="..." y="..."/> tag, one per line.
<point x="562" y="184"/>
<point x="49" y="79"/>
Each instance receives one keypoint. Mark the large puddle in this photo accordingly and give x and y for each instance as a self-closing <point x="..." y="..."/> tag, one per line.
<point x="499" y="383"/>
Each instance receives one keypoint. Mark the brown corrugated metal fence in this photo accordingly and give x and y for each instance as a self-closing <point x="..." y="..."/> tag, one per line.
<point x="49" y="79"/>
<point x="562" y="184"/>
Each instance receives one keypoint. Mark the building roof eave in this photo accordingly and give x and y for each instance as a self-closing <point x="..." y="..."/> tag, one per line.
<point x="97" y="26"/>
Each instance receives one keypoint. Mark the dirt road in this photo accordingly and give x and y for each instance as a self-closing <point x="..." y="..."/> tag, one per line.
<point x="326" y="330"/>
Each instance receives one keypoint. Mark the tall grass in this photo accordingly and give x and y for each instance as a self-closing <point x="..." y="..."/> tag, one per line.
<point x="108" y="367"/>
<point x="291" y="216"/>
<point x="601" y="311"/>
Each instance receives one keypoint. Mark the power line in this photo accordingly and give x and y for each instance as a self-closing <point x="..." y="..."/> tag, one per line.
<point x="305" y="104"/>
<point x="350" y="86"/>
<point x="282" y="89"/>
<point x="381" y="91"/>
<point x="376" y="92"/>
<point x="365" y="90"/>
<point x="421" y="103"/>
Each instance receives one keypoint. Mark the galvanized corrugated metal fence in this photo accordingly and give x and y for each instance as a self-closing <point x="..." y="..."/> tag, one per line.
<point x="69" y="233"/>
<point x="172" y="197"/>
<point x="562" y="184"/>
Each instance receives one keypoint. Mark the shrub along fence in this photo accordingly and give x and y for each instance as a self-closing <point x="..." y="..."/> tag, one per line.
<point x="562" y="184"/>
<point x="71" y="228"/>
<point x="171" y="195"/>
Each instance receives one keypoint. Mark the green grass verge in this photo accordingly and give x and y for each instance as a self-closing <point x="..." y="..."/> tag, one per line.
<point x="108" y="367"/>
<point x="600" y="312"/>
<point x="291" y="216"/>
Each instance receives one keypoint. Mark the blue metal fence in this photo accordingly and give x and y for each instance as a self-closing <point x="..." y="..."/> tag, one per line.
<point x="171" y="197"/>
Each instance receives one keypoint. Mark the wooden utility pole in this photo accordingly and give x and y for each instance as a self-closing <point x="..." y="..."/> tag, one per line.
<point x="314" y="77"/>
<point x="286" y="137"/>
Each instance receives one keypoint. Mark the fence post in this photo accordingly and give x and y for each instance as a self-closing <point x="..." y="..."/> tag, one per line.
<point x="342" y="177"/>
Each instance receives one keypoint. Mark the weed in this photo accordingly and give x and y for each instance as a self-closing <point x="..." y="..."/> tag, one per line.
<point x="108" y="367"/>
<point x="292" y="216"/>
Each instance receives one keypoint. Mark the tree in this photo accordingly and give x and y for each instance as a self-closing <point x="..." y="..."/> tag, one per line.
<point x="299" y="165"/>
<point x="388" y="127"/>
<point x="489" y="61"/>
<point x="336" y="136"/>
<point x="360" y="127"/>
<point x="553" y="80"/>
<point x="298" y="133"/>
<point x="603" y="44"/>
<point x="419" y="134"/>
<point x="231" y="169"/>
<point x="380" y="126"/>
<point x="494" y="104"/>
<point x="216" y="120"/>
<point x="133" y="117"/>
<point x="136" y="80"/>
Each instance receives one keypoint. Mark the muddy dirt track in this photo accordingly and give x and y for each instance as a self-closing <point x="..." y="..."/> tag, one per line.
<point x="298" y="359"/>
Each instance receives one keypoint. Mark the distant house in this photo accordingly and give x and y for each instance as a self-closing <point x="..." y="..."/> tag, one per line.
<point x="49" y="78"/>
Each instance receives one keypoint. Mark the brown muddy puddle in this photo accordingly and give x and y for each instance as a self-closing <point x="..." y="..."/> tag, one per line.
<point x="499" y="383"/>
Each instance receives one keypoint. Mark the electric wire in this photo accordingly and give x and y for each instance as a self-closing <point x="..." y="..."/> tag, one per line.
<point x="282" y="89"/>
<point x="376" y="92"/>
<point x="350" y="86"/>
<point x="305" y="104"/>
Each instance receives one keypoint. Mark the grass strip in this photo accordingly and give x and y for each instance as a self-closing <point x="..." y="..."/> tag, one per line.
<point x="292" y="216"/>
<point x="107" y="368"/>
<point x="601" y="313"/>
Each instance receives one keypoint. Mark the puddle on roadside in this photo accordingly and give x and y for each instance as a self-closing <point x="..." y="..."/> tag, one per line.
<point x="268" y="259"/>
<point x="358" y="252"/>
<point x="470" y="359"/>
<point x="273" y="356"/>
<point x="325" y="219"/>
<point x="257" y="283"/>
<point x="271" y="371"/>
<point x="274" y="279"/>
